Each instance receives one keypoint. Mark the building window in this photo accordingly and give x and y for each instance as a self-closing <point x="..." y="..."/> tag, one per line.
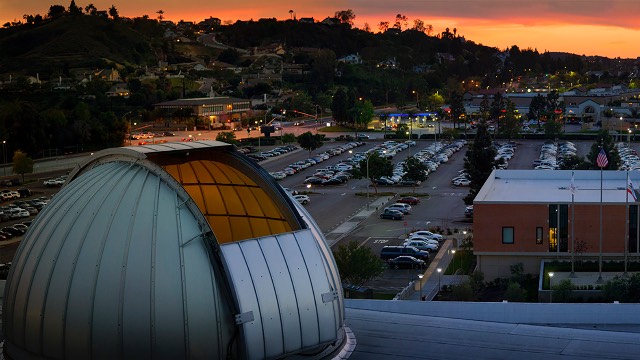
<point x="558" y="227"/>
<point x="539" y="235"/>
<point x="507" y="235"/>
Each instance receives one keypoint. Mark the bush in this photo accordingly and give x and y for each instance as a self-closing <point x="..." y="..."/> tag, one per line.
<point x="515" y="293"/>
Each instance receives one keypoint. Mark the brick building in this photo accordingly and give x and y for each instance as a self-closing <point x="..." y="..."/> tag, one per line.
<point x="525" y="216"/>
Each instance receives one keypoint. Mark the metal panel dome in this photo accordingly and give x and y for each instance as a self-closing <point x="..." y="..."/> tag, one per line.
<point x="178" y="250"/>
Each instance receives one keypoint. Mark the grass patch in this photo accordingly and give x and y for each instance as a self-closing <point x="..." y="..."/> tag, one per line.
<point x="413" y="194"/>
<point x="462" y="259"/>
<point x="378" y="194"/>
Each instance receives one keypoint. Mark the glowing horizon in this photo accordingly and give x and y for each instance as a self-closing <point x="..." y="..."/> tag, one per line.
<point x="582" y="27"/>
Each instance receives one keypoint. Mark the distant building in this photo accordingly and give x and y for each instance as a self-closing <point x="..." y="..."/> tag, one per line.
<point x="119" y="90"/>
<point x="108" y="75"/>
<point x="526" y="216"/>
<point x="351" y="59"/>
<point x="215" y="111"/>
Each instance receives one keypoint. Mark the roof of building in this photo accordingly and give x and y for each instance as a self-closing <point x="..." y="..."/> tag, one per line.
<point x="546" y="186"/>
<point x="202" y="101"/>
<point x="462" y="330"/>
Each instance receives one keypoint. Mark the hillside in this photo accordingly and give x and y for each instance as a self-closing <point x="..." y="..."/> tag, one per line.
<point x="76" y="41"/>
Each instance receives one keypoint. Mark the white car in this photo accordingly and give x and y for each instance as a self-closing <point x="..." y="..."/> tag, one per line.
<point x="421" y="245"/>
<point x="302" y="199"/>
<point x="404" y="208"/>
<point x="428" y="234"/>
<point x="462" y="182"/>
<point x="426" y="239"/>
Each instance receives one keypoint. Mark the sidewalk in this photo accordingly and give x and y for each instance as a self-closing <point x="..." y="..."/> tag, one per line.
<point x="348" y="226"/>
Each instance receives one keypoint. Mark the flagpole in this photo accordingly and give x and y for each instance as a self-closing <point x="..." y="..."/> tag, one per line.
<point x="599" y="281"/>
<point x="573" y="233"/>
<point x="626" y="223"/>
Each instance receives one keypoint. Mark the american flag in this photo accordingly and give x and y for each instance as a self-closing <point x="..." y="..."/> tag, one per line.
<point x="602" y="160"/>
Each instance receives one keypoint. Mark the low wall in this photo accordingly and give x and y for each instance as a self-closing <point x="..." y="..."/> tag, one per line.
<point x="512" y="313"/>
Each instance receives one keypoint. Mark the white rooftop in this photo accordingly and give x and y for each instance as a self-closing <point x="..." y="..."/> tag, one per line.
<point x="553" y="186"/>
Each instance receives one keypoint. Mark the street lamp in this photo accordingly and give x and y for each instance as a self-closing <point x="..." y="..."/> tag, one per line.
<point x="550" y="288"/>
<point x="417" y="98"/>
<point x="420" y="283"/>
<point x="4" y="157"/>
<point x="453" y="255"/>
<point x="369" y="157"/>
<point x="439" y="277"/>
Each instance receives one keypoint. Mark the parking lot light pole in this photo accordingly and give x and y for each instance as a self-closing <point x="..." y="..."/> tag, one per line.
<point x="4" y="157"/>
<point x="439" y="277"/>
<point x="453" y="255"/>
<point x="550" y="288"/>
<point x="420" y="284"/>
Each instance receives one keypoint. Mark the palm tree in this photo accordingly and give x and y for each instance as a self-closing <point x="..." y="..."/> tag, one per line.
<point x="291" y="13"/>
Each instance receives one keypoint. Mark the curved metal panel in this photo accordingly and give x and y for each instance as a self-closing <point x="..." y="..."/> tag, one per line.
<point x="283" y="280"/>
<point x="118" y="267"/>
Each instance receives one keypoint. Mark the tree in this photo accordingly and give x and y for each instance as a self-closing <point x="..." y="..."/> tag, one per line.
<point x="418" y="25"/>
<point x="113" y="12"/>
<point x="479" y="161"/>
<point x="357" y="264"/>
<point x="377" y="167"/>
<point x="309" y="141"/>
<point x="364" y="112"/>
<point x="511" y="124"/>
<point x="414" y="170"/>
<point x="625" y="289"/>
<point x="288" y="138"/>
<point x="74" y="9"/>
<point x="56" y="11"/>
<point x="485" y="109"/>
<point x="346" y="16"/>
<point x="537" y="108"/>
<point x="383" y="26"/>
<point x="228" y="137"/>
<point x="457" y="107"/>
<point x="22" y="163"/>
<point x="563" y="292"/>
<point x="400" y="21"/>
<point x="497" y="107"/>
<point x="339" y="107"/>
<point x="605" y="141"/>
<point x="90" y="9"/>
<point x="160" y="14"/>
<point x="434" y="101"/>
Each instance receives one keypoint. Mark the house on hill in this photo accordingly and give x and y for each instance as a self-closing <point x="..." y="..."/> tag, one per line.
<point x="111" y="75"/>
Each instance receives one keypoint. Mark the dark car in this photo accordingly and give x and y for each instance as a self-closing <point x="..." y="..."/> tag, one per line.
<point x="332" y="181"/>
<point x="168" y="133"/>
<point x="406" y="262"/>
<point x="313" y="180"/>
<point x="411" y="200"/>
<point x="13" y="231"/>
<point x="392" y="214"/>
<point x="391" y="252"/>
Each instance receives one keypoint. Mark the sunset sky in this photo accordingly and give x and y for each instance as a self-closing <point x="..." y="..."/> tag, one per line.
<point x="590" y="27"/>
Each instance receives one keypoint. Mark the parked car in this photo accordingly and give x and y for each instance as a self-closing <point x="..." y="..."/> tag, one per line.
<point x="421" y="245"/>
<point x="392" y="252"/>
<point x="427" y="234"/>
<point x="406" y="262"/>
<point x="468" y="211"/>
<point x="362" y="136"/>
<point x="411" y="200"/>
<point x="392" y="214"/>
<point x="302" y="199"/>
<point x="404" y="208"/>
